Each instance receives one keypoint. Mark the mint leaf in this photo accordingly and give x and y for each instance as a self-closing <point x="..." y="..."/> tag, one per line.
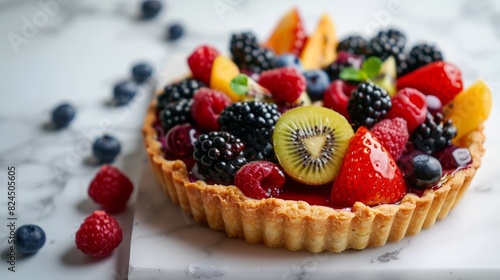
<point x="353" y="74"/>
<point x="239" y="84"/>
<point x="371" y="66"/>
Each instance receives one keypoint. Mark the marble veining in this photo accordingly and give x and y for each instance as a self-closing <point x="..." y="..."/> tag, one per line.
<point x="87" y="46"/>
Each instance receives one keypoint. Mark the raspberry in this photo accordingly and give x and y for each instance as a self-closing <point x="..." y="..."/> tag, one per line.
<point x="392" y="133"/>
<point x="337" y="95"/>
<point x="200" y="62"/>
<point x="111" y="189"/>
<point x="368" y="104"/>
<point x="409" y="104"/>
<point x="206" y="108"/>
<point x="98" y="235"/>
<point x="260" y="179"/>
<point x="286" y="83"/>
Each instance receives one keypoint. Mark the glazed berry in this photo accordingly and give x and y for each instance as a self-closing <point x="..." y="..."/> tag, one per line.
<point x="29" y="239"/>
<point x="393" y="134"/>
<point x="434" y="105"/>
<point x="208" y="104"/>
<point x="285" y="84"/>
<point x="248" y="54"/>
<point x="98" y="235"/>
<point x="287" y="60"/>
<point x="106" y="148"/>
<point x="175" y="113"/>
<point x="337" y="96"/>
<point x="179" y="140"/>
<point x="409" y="104"/>
<point x="421" y="171"/>
<point x="141" y="72"/>
<point x="434" y="134"/>
<point x="201" y="61"/>
<point x="353" y="44"/>
<point x="368" y="104"/>
<point x="260" y="179"/>
<point x="184" y="89"/>
<point x="124" y="92"/>
<point x="421" y="55"/>
<point x="111" y="189"/>
<point x="150" y="8"/>
<point x="219" y="155"/>
<point x="344" y="60"/>
<point x="253" y="122"/>
<point x="317" y="81"/>
<point x="63" y="115"/>
<point x="175" y="31"/>
<point x="454" y="157"/>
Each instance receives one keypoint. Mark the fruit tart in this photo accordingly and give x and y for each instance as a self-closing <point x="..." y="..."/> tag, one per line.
<point x="318" y="144"/>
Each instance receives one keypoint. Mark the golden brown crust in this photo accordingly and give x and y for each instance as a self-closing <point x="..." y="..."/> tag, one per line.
<point x="296" y="225"/>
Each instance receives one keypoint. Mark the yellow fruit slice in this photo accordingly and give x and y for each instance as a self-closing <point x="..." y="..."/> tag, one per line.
<point x="320" y="48"/>
<point x="223" y="71"/>
<point x="289" y="35"/>
<point x="470" y="108"/>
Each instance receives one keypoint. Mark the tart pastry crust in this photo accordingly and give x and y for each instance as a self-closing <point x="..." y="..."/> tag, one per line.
<point x="296" y="225"/>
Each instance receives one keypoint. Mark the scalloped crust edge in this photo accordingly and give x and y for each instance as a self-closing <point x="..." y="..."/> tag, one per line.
<point x="296" y="225"/>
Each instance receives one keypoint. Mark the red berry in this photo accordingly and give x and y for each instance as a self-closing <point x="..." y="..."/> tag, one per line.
<point x="98" y="235"/>
<point x="260" y="179"/>
<point x="111" y="189"/>
<point x="410" y="105"/>
<point x="285" y="84"/>
<point x="200" y="62"/>
<point x="393" y="135"/>
<point x="206" y="108"/>
<point x="337" y="95"/>
<point x="442" y="79"/>
<point x="179" y="140"/>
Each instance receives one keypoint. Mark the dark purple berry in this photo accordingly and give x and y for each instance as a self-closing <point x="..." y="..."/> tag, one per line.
<point x="29" y="239"/>
<point x="150" y="8"/>
<point x="106" y="148"/>
<point x="421" y="171"/>
<point x="124" y="92"/>
<point x="141" y="72"/>
<point x="63" y="115"/>
<point x="175" y="31"/>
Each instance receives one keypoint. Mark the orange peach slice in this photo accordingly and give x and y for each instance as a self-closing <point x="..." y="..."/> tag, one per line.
<point x="320" y="48"/>
<point x="289" y="36"/>
<point x="223" y="71"/>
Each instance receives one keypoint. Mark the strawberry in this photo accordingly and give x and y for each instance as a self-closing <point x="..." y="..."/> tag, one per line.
<point x="200" y="62"/>
<point x="368" y="174"/>
<point x="440" y="78"/>
<point x="285" y="84"/>
<point x="337" y="95"/>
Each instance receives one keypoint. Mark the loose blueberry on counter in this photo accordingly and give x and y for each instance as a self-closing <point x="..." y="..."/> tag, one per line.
<point x="63" y="115"/>
<point x="317" y="82"/>
<point x="421" y="171"/>
<point x="29" y="239"/>
<point x="124" y="92"/>
<point x="106" y="148"/>
<point x="287" y="60"/>
<point x="141" y="72"/>
<point x="175" y="32"/>
<point x="150" y="8"/>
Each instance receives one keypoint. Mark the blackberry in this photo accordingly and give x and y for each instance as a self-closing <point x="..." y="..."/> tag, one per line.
<point x="353" y="44"/>
<point x="253" y="122"/>
<point x="177" y="112"/>
<point x="368" y="104"/>
<point x="434" y="134"/>
<point x="344" y="60"/>
<point x="184" y="89"/>
<point x="219" y="155"/>
<point x="421" y="55"/>
<point x="247" y="53"/>
<point x="387" y="43"/>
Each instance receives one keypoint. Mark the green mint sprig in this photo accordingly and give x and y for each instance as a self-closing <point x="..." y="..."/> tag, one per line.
<point x="239" y="84"/>
<point x="369" y="69"/>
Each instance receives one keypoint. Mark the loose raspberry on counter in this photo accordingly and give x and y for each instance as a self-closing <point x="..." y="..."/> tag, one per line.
<point x="98" y="235"/>
<point x="111" y="189"/>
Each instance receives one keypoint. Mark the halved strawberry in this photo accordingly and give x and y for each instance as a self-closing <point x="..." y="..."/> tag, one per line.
<point x="289" y="36"/>
<point x="368" y="174"/>
<point x="440" y="78"/>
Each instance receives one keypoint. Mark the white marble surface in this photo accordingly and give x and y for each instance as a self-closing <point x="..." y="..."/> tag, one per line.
<point x="87" y="46"/>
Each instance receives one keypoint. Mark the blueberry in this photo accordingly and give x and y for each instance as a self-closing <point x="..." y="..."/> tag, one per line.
<point x="175" y="31"/>
<point x="423" y="171"/>
<point x="150" y="8"/>
<point x="29" y="239"/>
<point x="317" y="82"/>
<point x="63" y="115"/>
<point x="141" y="72"/>
<point x="124" y="92"/>
<point x="287" y="60"/>
<point x="106" y="148"/>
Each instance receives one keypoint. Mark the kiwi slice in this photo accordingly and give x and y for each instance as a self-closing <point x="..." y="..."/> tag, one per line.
<point x="310" y="143"/>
